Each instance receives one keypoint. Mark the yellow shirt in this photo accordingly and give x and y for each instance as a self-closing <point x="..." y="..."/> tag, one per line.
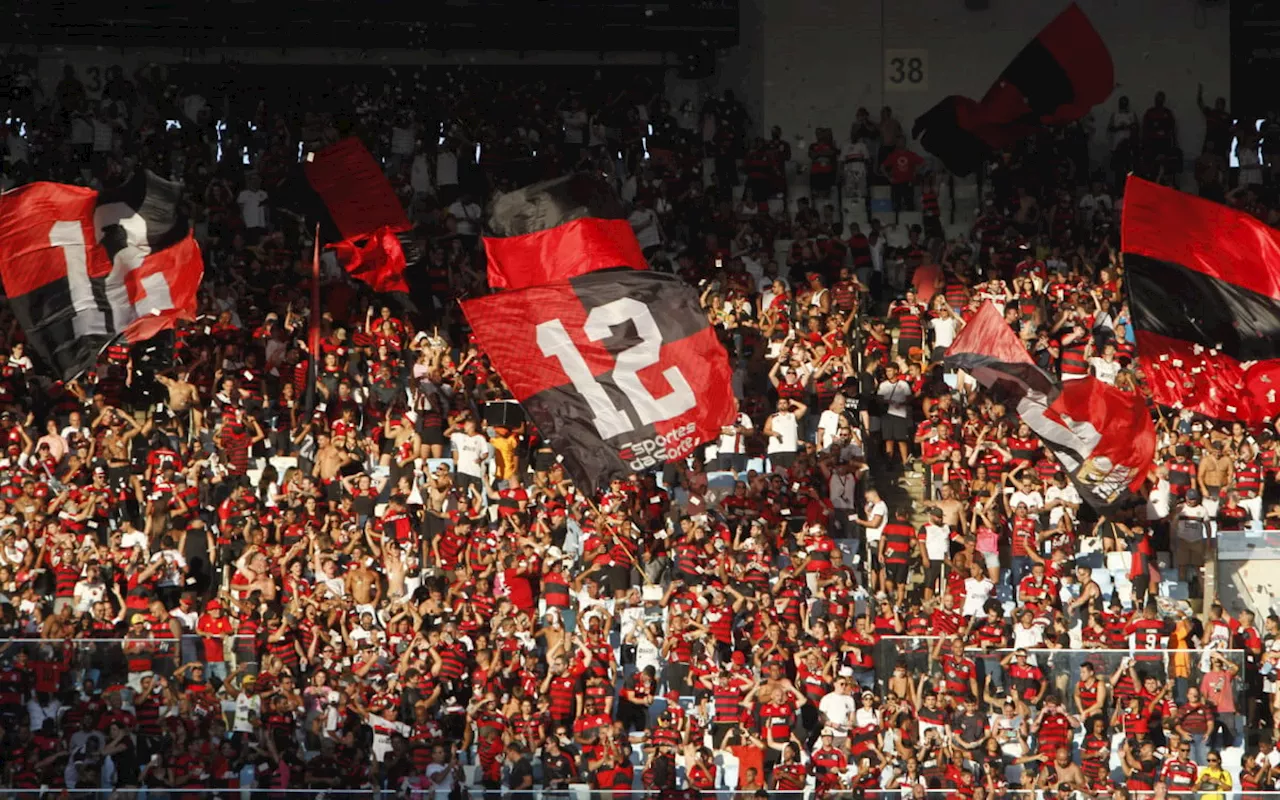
<point x="1219" y="776"/>
<point x="504" y="449"/>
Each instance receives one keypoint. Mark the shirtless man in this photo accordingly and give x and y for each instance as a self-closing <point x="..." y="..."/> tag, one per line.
<point x="952" y="510"/>
<point x="330" y="459"/>
<point x="1060" y="771"/>
<point x="184" y="400"/>
<point x="112" y="444"/>
<point x="362" y="584"/>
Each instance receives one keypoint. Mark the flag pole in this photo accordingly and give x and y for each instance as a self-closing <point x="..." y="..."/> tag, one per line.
<point x="313" y="333"/>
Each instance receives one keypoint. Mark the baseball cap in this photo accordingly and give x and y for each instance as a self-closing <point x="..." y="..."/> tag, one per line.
<point x="137" y="619"/>
<point x="213" y="605"/>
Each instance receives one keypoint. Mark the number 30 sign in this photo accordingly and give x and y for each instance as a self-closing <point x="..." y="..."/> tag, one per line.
<point x="906" y="70"/>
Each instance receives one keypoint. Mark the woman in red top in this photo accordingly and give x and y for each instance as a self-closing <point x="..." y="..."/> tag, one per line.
<point x="700" y="770"/>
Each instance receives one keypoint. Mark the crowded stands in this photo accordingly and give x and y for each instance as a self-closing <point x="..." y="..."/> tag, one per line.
<point x="216" y="574"/>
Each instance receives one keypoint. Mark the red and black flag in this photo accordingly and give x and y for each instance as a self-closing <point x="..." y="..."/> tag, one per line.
<point x="556" y="230"/>
<point x="1102" y="436"/>
<point x="1204" y="301"/>
<point x="83" y="268"/>
<point x="618" y="369"/>
<point x="344" y="190"/>
<point x="1057" y="78"/>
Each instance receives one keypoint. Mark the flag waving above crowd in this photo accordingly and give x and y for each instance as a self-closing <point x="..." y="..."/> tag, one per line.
<point x="557" y="229"/>
<point x="1204" y="291"/>
<point x="1057" y="78"/>
<point x="342" y="189"/>
<point x="619" y="369"/>
<point x="82" y="268"/>
<point x="1101" y="435"/>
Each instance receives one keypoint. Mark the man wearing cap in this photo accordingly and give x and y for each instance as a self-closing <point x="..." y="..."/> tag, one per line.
<point x="837" y="708"/>
<point x="1191" y="529"/>
<point x="212" y="628"/>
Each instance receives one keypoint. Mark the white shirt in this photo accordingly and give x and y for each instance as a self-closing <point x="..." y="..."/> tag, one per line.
<point x="1106" y="371"/>
<point x="944" y="330"/>
<point x="787" y="428"/>
<point x="731" y="442"/>
<point x="897" y="395"/>
<point x="937" y="541"/>
<point x="645" y="224"/>
<point x="873" y="510"/>
<point x="245" y="705"/>
<point x="1027" y="638"/>
<point x="468" y="217"/>
<point x="445" y="786"/>
<point x="1067" y="494"/>
<point x="252" y="208"/>
<point x="470" y="452"/>
<point x="1124" y="121"/>
<point x="976" y="593"/>
<point x="1159" y="502"/>
<point x="828" y="424"/>
<point x="1034" y="500"/>
<point x="838" y="709"/>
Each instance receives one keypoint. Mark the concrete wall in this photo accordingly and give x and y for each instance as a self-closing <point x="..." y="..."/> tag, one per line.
<point x="809" y="63"/>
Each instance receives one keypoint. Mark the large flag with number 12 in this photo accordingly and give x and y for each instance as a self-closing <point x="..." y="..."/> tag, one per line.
<point x="619" y="369"/>
<point x="82" y="268"/>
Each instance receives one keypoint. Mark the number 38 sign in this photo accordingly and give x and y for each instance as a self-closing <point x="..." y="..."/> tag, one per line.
<point x="619" y="369"/>
<point x="906" y="70"/>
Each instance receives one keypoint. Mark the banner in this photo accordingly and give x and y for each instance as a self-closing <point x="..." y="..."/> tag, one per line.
<point x="1204" y="298"/>
<point x="1057" y="78"/>
<point x="556" y="230"/>
<point x="1102" y="436"/>
<point x="83" y="268"/>
<point x="618" y="369"/>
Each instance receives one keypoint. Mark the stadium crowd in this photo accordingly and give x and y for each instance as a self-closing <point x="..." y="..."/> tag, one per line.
<point x="212" y="579"/>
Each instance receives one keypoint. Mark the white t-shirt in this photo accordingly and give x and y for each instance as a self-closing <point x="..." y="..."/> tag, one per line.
<point x="839" y="710"/>
<point x="244" y="706"/>
<point x="252" y="208"/>
<point x="1034" y="500"/>
<point x="873" y="510"/>
<point x="937" y="541"/>
<point x="944" y="330"/>
<point x="1106" y="371"/>
<point x="1123" y="121"/>
<point x="787" y="429"/>
<point x="442" y="789"/>
<point x="828" y="423"/>
<point x="472" y="449"/>
<point x="731" y="442"/>
<point x="1067" y="493"/>
<point x="897" y="395"/>
<point x="645" y="224"/>
<point x="468" y="217"/>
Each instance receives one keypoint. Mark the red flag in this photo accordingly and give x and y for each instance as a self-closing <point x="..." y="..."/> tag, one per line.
<point x="619" y="370"/>
<point x="1103" y="436"/>
<point x="556" y="230"/>
<point x="1057" y="78"/>
<point x="83" y="268"/>
<point x="377" y="259"/>
<point x="355" y="197"/>
<point x="1204" y="294"/>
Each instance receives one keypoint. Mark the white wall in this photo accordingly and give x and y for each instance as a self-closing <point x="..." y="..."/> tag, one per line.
<point x="809" y="63"/>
